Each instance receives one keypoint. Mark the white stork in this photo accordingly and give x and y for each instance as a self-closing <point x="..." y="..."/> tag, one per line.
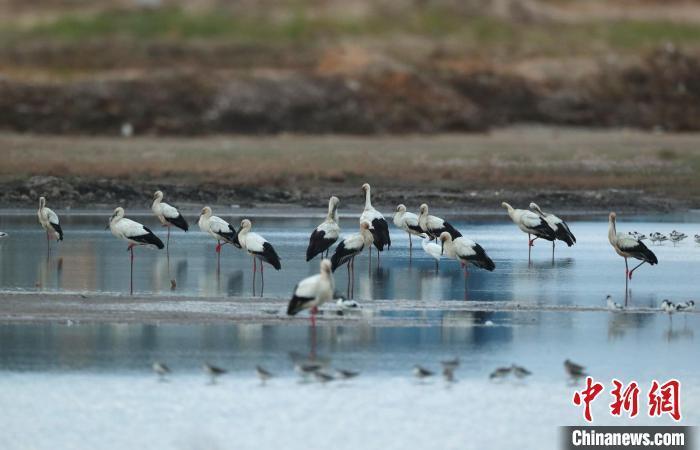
<point x="466" y="252"/>
<point x="313" y="291"/>
<point x="49" y="222"/>
<point x="326" y="233"/>
<point x="219" y="229"/>
<point x="379" y="226"/>
<point x="258" y="247"/>
<point x="434" y="226"/>
<point x="408" y="222"/>
<point x="135" y="234"/>
<point x="560" y="228"/>
<point x="432" y="249"/>
<point x="350" y="247"/>
<point x="168" y="216"/>
<point x="628" y="247"/>
<point x="530" y="223"/>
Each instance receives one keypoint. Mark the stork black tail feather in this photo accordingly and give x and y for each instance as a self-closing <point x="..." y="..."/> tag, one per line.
<point x="647" y="255"/>
<point x="58" y="229"/>
<point x="296" y="304"/>
<point x="269" y="255"/>
<point x="179" y="222"/>
<point x="452" y="230"/>
<point x="340" y="256"/>
<point x="149" y="239"/>
<point x="564" y="234"/>
<point x="482" y="260"/>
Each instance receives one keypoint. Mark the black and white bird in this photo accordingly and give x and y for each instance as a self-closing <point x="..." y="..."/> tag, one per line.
<point x="49" y="222"/>
<point x="421" y="372"/>
<point x="686" y="306"/>
<point x="263" y="374"/>
<point x="613" y="305"/>
<point x="349" y="247"/>
<point x="378" y="225"/>
<point x="532" y="224"/>
<point x="697" y="238"/>
<point x="628" y="247"/>
<point x="167" y="215"/>
<point x="574" y="370"/>
<point x="214" y="372"/>
<point x="135" y="234"/>
<point x="432" y="249"/>
<point x="313" y="291"/>
<point x="500" y="373"/>
<point x="347" y="304"/>
<point x="520" y="371"/>
<point x="258" y="247"/>
<point x="676" y="237"/>
<point x="3" y="235"/>
<point x="219" y="229"/>
<point x="434" y="226"/>
<point x="326" y="233"/>
<point x="466" y="252"/>
<point x="668" y="306"/>
<point x="408" y="222"/>
<point x="560" y="228"/>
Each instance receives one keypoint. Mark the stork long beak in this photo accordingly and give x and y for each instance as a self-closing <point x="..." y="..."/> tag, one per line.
<point x="442" y="248"/>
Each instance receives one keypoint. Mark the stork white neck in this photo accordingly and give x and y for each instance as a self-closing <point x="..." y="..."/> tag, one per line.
<point x="612" y="229"/>
<point x="368" y="200"/>
<point x="332" y="206"/>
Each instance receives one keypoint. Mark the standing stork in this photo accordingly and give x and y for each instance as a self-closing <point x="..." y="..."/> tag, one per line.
<point x="326" y="233"/>
<point x="135" y="234"/>
<point x="560" y="228"/>
<point x="49" y="222"/>
<point x="346" y="251"/>
<point x="532" y="224"/>
<point x="628" y="247"/>
<point x="466" y="252"/>
<point x="379" y="227"/>
<point x="168" y="216"/>
<point x="313" y="291"/>
<point x="219" y="229"/>
<point x="258" y="247"/>
<point x="408" y="222"/>
<point x="434" y="226"/>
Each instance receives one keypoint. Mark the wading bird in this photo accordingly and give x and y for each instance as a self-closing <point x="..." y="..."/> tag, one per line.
<point x="258" y="247"/>
<point x="49" y="222"/>
<point x="628" y="247"/>
<point x="532" y="224"/>
<point x="313" y="291"/>
<point x="168" y="216"/>
<point x="326" y="233"/>
<point x="161" y="369"/>
<point x="466" y="252"/>
<point x="686" y="306"/>
<point x="349" y="247"/>
<point x="432" y="249"/>
<point x="560" y="228"/>
<point x="263" y="374"/>
<point x="379" y="226"/>
<point x="575" y="371"/>
<point x="219" y="229"/>
<point x="421" y="372"/>
<point x="135" y="234"/>
<point x="434" y="226"/>
<point x="613" y="305"/>
<point x="408" y="222"/>
<point x="214" y="372"/>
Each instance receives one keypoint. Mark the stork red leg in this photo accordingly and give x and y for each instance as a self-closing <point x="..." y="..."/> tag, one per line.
<point x="167" y="245"/>
<point x="314" y="310"/>
<point x="131" y="277"/>
<point x="635" y="268"/>
<point x="254" y="270"/>
<point x="410" y="246"/>
<point x="262" y="278"/>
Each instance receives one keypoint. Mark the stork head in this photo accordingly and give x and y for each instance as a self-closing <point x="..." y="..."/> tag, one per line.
<point x="612" y="217"/>
<point x="444" y="237"/>
<point x="424" y="208"/>
<point x="42" y="202"/>
<point x="158" y="195"/>
<point x="365" y="187"/>
<point x="506" y="206"/>
<point x="333" y="201"/>
<point x="401" y="208"/>
<point x="116" y="215"/>
<point x="326" y="266"/>
<point x="534" y="207"/>
<point x="246" y="224"/>
<point x="206" y="212"/>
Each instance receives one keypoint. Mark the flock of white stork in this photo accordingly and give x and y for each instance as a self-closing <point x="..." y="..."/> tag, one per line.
<point x="313" y="291"/>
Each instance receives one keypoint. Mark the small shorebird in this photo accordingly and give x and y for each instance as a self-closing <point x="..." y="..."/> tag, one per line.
<point x="686" y="306"/>
<point x="161" y="369"/>
<point x="448" y="373"/>
<point x="613" y="305"/>
<point x="344" y="303"/>
<point x="574" y="370"/>
<point x="500" y="373"/>
<point x="346" y="374"/>
<point x="520" y="371"/>
<point x="668" y="306"/>
<point x="263" y="374"/>
<point x="697" y="238"/>
<point x="307" y="368"/>
<point x="3" y="234"/>
<point x="213" y="372"/>
<point x="422" y="372"/>
<point x="451" y="364"/>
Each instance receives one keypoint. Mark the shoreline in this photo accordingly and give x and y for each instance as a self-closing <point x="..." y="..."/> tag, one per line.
<point x="95" y="308"/>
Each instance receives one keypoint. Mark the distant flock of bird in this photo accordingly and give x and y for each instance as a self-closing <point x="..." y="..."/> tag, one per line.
<point x="439" y="238"/>
<point x="321" y="372"/>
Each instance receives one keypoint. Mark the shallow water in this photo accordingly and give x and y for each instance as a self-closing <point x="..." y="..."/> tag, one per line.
<point x="91" y="259"/>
